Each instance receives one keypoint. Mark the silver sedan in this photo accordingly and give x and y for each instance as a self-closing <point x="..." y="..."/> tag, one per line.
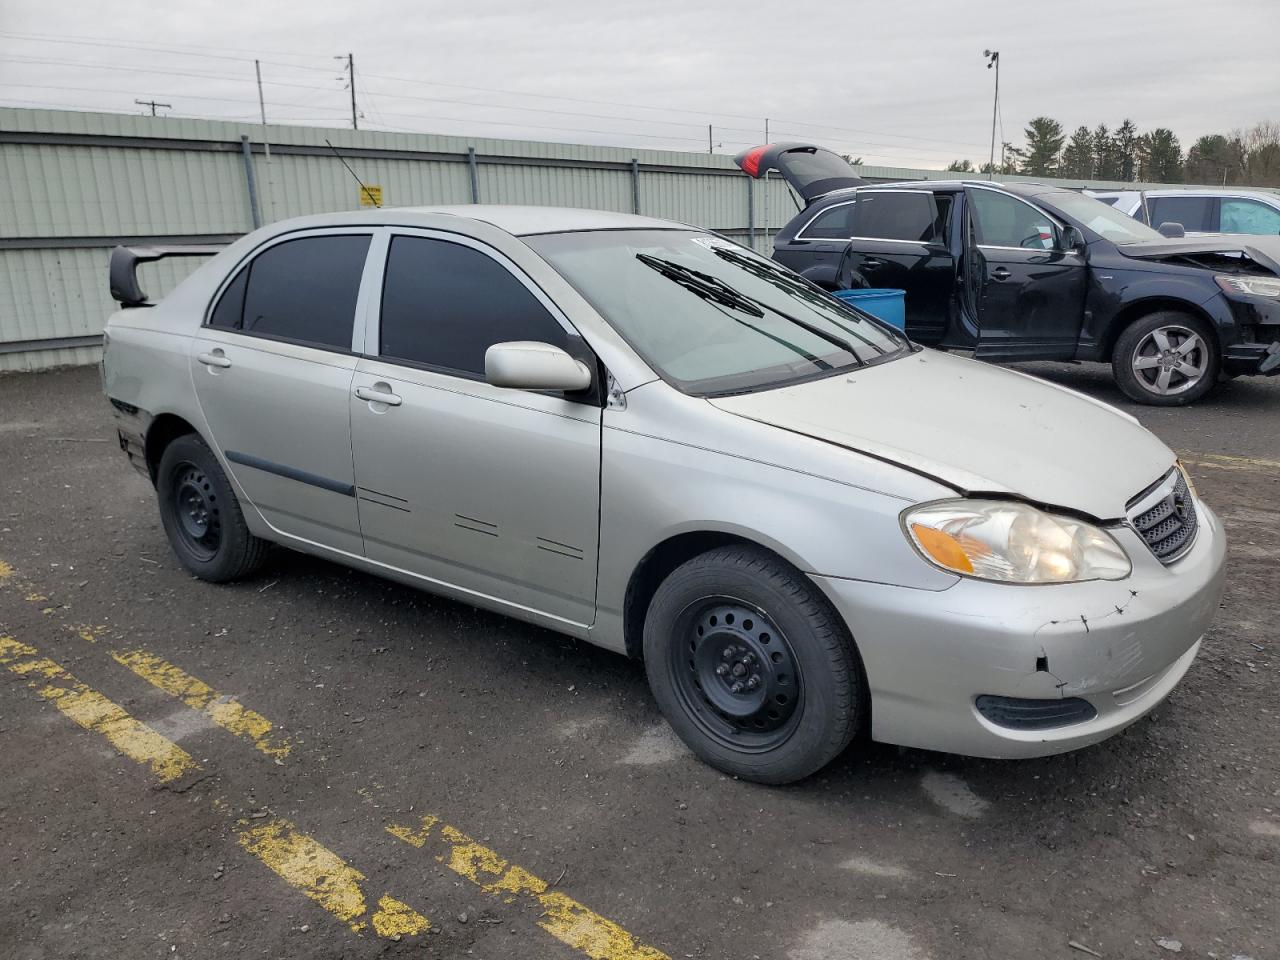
<point x="650" y="438"/>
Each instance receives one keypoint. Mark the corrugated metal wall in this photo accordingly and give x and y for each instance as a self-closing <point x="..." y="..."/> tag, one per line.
<point x="72" y="185"/>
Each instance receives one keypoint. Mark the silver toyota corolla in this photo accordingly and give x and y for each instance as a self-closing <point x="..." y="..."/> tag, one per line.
<point x="648" y="437"/>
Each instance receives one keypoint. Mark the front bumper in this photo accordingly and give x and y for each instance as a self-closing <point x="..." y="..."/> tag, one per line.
<point x="1121" y="645"/>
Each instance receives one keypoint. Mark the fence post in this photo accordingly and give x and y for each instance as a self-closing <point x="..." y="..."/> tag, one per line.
<point x="635" y="185"/>
<point x="751" y="213"/>
<point x="475" y="175"/>
<point x="248" y="176"/>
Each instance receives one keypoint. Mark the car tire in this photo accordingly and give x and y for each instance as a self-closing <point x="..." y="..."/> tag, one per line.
<point x="201" y="516"/>
<point x="1154" y="353"/>
<point x="741" y="615"/>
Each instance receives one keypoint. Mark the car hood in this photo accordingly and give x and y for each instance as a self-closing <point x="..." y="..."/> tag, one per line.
<point x="974" y="427"/>
<point x="1263" y="251"/>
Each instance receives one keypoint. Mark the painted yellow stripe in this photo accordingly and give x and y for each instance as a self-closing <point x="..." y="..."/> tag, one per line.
<point x="1222" y="461"/>
<point x="326" y="878"/>
<point x="198" y="695"/>
<point x="563" y="917"/>
<point x="6" y="571"/>
<point x="92" y="711"/>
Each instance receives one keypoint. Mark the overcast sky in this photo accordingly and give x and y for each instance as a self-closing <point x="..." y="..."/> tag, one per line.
<point x="901" y="84"/>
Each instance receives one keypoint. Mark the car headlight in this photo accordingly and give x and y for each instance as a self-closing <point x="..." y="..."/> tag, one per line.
<point x="1253" y="286"/>
<point x="1012" y="542"/>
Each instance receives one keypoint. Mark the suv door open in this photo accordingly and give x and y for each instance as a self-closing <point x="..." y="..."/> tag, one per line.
<point x="1027" y="289"/>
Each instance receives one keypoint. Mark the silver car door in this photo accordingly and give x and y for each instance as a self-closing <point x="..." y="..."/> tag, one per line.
<point x="272" y="369"/>
<point x="489" y="490"/>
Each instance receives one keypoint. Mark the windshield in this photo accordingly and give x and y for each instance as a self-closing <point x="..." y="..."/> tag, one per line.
<point x="1102" y="219"/>
<point x="710" y="316"/>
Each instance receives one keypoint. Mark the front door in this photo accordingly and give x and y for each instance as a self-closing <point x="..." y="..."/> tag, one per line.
<point x="488" y="490"/>
<point x="272" y="370"/>
<point x="1030" y="292"/>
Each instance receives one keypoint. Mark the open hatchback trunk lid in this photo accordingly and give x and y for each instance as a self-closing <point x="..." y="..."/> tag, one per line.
<point x="812" y="171"/>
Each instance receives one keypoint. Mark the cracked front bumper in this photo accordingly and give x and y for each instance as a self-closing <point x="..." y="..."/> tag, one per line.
<point x="1122" y="645"/>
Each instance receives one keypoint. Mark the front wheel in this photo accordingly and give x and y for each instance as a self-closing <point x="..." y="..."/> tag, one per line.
<point x="1166" y="359"/>
<point x="201" y="516"/>
<point x="751" y="666"/>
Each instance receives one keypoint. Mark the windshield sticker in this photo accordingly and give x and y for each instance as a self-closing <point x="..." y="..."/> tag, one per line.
<point x="714" y="243"/>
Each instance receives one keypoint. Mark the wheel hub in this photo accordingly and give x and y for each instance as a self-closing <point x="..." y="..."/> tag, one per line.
<point x="742" y="668"/>
<point x="196" y="511"/>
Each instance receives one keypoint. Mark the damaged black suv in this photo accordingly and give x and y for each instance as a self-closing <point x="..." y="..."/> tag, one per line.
<point x="1025" y="271"/>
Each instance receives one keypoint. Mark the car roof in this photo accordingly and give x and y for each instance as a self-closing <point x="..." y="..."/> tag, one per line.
<point x="515" y="220"/>
<point x="1028" y="189"/>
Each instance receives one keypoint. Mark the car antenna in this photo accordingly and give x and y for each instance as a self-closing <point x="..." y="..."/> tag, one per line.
<point x="364" y="190"/>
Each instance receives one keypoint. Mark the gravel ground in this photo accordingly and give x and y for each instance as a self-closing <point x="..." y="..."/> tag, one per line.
<point x="533" y="756"/>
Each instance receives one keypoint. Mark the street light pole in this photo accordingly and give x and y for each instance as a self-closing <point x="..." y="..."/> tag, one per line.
<point x="993" y="60"/>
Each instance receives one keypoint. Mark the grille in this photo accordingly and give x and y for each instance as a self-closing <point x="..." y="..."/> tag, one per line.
<point x="1016" y="713"/>
<point x="1169" y="527"/>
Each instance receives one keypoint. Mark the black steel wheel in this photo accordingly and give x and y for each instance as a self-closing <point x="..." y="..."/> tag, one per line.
<point x="201" y="516"/>
<point x="752" y="667"/>
<point x="737" y="675"/>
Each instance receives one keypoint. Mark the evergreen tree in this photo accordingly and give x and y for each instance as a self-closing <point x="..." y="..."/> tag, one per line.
<point x="1160" y="157"/>
<point x="1077" y="156"/>
<point x="960" y="166"/>
<point x="1044" y="144"/>
<point x="1104" y="155"/>
<point x="1125" y="144"/>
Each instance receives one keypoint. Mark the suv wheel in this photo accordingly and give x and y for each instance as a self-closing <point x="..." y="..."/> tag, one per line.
<point x="752" y="667"/>
<point x="201" y="516"/>
<point x="1166" y="359"/>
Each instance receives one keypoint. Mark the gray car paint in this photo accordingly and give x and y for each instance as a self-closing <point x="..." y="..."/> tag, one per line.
<point x="820" y="473"/>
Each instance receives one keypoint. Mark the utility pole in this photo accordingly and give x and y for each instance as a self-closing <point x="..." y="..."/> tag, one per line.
<point x="266" y="144"/>
<point x="152" y="104"/>
<point x="993" y="60"/>
<point x="710" y="148"/>
<point x="351" y="73"/>
<point x="766" y="189"/>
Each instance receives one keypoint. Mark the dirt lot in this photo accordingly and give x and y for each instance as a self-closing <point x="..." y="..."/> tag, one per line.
<point x="317" y="763"/>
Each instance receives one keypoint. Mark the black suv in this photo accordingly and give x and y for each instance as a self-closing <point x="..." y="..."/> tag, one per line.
<point x="1024" y="271"/>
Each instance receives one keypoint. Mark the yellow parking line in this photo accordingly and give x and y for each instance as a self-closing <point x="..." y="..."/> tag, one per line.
<point x="1222" y="461"/>
<point x="326" y="878"/>
<point x="6" y="571"/>
<point x="198" y="695"/>
<point x="564" y="918"/>
<point x="92" y="711"/>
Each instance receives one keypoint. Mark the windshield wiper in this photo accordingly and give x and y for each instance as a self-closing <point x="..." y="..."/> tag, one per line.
<point x="720" y="295"/>
<point x="713" y="288"/>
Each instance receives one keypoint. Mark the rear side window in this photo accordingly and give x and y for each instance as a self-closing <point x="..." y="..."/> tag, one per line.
<point x="1249" y="216"/>
<point x="896" y="216"/>
<point x="301" y="290"/>
<point x="833" y="224"/>
<point x="1192" y="212"/>
<point x="445" y="304"/>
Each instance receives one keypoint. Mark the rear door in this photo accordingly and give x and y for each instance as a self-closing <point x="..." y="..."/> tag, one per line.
<point x="815" y="250"/>
<point x="485" y="489"/>
<point x="899" y="243"/>
<point x="811" y="170"/>
<point x="1028" y="291"/>
<point x="272" y="369"/>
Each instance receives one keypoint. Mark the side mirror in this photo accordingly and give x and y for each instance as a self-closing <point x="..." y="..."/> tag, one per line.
<point x="1174" y="231"/>
<point x="1073" y="239"/>
<point x="528" y="365"/>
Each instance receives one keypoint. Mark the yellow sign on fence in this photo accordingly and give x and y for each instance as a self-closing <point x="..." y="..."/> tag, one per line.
<point x="370" y="195"/>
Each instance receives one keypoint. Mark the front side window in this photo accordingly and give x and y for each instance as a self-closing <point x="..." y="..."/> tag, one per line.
<point x="1192" y="212"/>
<point x="896" y="216"/>
<point x="1249" y="216"/>
<point x="712" y="317"/>
<point x="444" y="304"/>
<point x="302" y="290"/>
<point x="833" y="224"/>
<point x="1005" y="221"/>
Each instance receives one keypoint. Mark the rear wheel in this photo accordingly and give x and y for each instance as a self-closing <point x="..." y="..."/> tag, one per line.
<point x="751" y="666"/>
<point x="1166" y="359"/>
<point x="201" y="516"/>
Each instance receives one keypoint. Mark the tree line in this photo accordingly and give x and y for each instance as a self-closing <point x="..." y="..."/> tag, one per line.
<point x="1244" y="157"/>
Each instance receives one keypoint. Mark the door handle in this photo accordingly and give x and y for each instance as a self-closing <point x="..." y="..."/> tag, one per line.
<point x="871" y="263"/>
<point x="378" y="396"/>
<point x="1000" y="273"/>
<point x="215" y="359"/>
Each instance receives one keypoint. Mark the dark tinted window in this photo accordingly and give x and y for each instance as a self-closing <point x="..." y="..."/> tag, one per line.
<point x="833" y="224"/>
<point x="1191" y="212"/>
<point x="895" y="216"/>
<point x="444" y="305"/>
<point x="230" y="309"/>
<point x="306" y="290"/>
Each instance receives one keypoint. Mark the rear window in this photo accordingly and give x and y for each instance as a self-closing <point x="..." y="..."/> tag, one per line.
<point x="301" y="290"/>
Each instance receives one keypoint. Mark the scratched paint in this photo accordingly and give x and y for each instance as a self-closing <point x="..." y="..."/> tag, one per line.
<point x="326" y="878"/>
<point x="223" y="710"/>
<point x="563" y="917"/>
<point x="94" y="712"/>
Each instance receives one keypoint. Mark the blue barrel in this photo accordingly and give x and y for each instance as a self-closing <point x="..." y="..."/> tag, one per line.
<point x="887" y="304"/>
